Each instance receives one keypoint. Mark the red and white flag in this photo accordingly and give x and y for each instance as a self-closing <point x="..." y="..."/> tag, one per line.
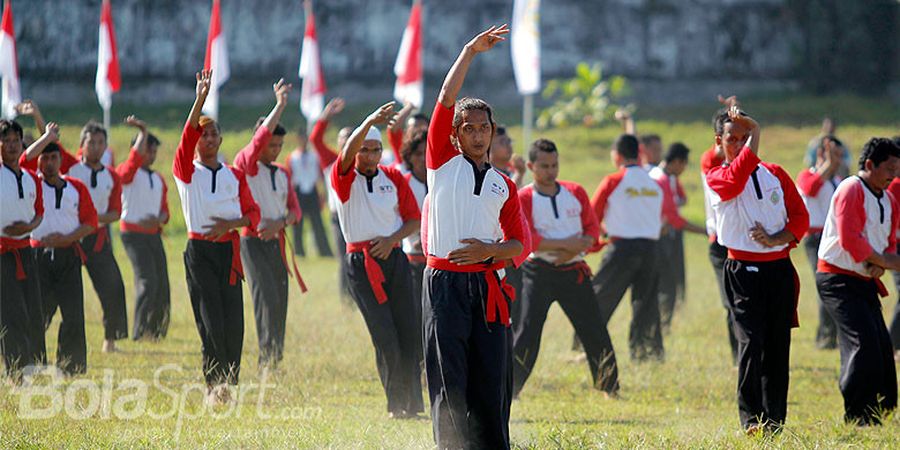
<point x="9" y="65"/>
<point x="525" y="43"/>
<point x="410" y="83"/>
<point x="108" y="78"/>
<point x="216" y="60"/>
<point x="312" y="91"/>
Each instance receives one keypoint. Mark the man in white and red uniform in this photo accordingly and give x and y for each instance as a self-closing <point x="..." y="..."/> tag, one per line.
<point x="816" y="185"/>
<point x="894" y="327"/>
<point x="474" y="224"/>
<point x="263" y="252"/>
<point x="106" y="192"/>
<point x="760" y="217"/>
<point x="858" y="243"/>
<point x="563" y="229"/>
<point x="21" y="318"/>
<point x="305" y="170"/>
<point x="376" y="211"/>
<point x="327" y="157"/>
<point x="215" y="200"/>
<point x="628" y="205"/>
<point x="671" y="240"/>
<point x="145" y="209"/>
<point x="69" y="216"/>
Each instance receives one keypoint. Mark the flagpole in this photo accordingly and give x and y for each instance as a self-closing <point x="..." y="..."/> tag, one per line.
<point x="527" y="119"/>
<point x="106" y="118"/>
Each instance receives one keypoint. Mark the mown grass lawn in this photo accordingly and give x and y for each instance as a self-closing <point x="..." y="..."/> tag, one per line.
<point x="326" y="393"/>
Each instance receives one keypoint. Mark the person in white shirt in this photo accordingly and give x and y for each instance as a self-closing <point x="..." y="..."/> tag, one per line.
<point x="817" y="185"/>
<point x="145" y="209"/>
<point x="21" y="318"/>
<point x="305" y="170"/>
<point x="859" y="243"/>
<point x="215" y="201"/>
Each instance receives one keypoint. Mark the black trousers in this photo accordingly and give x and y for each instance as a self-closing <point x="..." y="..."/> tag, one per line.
<point x="340" y="248"/>
<point x="868" y="377"/>
<point x="468" y="362"/>
<point x="633" y="263"/>
<point x="417" y="271"/>
<point x="717" y="256"/>
<point x="312" y="212"/>
<point x="107" y="280"/>
<point x="514" y="279"/>
<point x="826" y="333"/>
<point x="393" y="327"/>
<point x="59" y="270"/>
<point x="268" y="280"/>
<point x="218" y="309"/>
<point x="669" y="253"/>
<point x="151" y="284"/>
<point x="761" y="296"/>
<point x="21" y="317"/>
<point x="542" y="284"/>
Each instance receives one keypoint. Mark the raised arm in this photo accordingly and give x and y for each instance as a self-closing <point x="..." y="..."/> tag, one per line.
<point x="384" y="114"/>
<point x="247" y="158"/>
<point x="457" y="75"/>
<point x="183" y="163"/>
<point x="30" y="108"/>
<point x="326" y="154"/>
<point x="50" y="135"/>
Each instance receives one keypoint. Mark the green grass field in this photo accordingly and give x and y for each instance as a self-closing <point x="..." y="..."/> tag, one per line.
<point x="326" y="393"/>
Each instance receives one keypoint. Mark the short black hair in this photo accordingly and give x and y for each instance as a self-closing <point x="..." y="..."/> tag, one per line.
<point x="92" y="127"/>
<point x="626" y="145"/>
<point x="421" y="116"/>
<point x="52" y="147"/>
<point x="410" y="144"/>
<point x="677" y="152"/>
<point x="466" y="104"/>
<point x="831" y="138"/>
<point x="278" y="131"/>
<point x="648" y="139"/>
<point x="720" y="118"/>
<point x="541" y="145"/>
<point x="878" y="150"/>
<point x="152" y="140"/>
<point x="501" y="130"/>
<point x="11" y="125"/>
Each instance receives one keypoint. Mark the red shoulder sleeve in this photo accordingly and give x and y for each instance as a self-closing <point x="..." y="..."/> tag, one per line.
<point x="127" y="169"/>
<point x="341" y="183"/>
<point x="115" y="196"/>
<point x="604" y="190"/>
<point x="409" y="207"/>
<point x="669" y="208"/>
<point x="326" y="154"/>
<point x="512" y="222"/>
<point x="893" y="188"/>
<point x="395" y="138"/>
<point x="526" y="202"/>
<point x="895" y="221"/>
<point x="39" y="193"/>
<point x="809" y="182"/>
<point x="249" y="208"/>
<point x="248" y="156"/>
<point x="729" y="181"/>
<point x="439" y="149"/>
<point x="67" y="159"/>
<point x="850" y="218"/>
<point x="797" y="215"/>
<point x="87" y="214"/>
<point x="183" y="164"/>
<point x="708" y="160"/>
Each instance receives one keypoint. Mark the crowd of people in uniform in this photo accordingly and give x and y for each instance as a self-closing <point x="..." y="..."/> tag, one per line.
<point x="451" y="259"/>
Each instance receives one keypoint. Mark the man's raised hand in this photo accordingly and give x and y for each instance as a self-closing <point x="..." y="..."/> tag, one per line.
<point x="730" y="101"/>
<point x="333" y="108"/>
<point x="488" y="38"/>
<point x="282" y="90"/>
<point x="27" y="108"/>
<point x="133" y="121"/>
<point x="204" y="82"/>
<point x="384" y="114"/>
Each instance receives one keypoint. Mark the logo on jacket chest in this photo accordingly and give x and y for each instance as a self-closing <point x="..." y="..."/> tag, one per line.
<point x="497" y="189"/>
<point x="642" y="192"/>
<point x="385" y="189"/>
